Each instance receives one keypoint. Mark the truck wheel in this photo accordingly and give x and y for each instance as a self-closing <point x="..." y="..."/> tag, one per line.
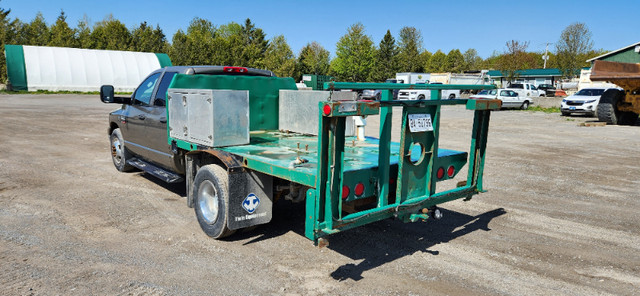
<point x="607" y="109"/>
<point x="525" y="105"/>
<point x="628" y="118"/>
<point x="119" y="153"/>
<point x="211" y="192"/>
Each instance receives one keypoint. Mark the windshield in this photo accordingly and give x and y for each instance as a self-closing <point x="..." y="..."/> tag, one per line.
<point x="488" y="92"/>
<point x="590" y="92"/>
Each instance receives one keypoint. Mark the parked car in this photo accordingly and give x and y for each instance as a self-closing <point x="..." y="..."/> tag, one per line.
<point x="509" y="98"/>
<point x="549" y="89"/>
<point x="585" y="101"/>
<point x="371" y="94"/>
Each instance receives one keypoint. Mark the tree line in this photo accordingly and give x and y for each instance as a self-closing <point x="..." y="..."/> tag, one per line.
<point x="357" y="58"/>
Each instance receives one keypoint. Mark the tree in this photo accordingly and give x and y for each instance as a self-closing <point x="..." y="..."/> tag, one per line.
<point x="36" y="32"/>
<point x="61" y="34"/>
<point x="472" y="60"/>
<point x="253" y="46"/>
<point x="410" y="45"/>
<point x="196" y="46"/>
<point x="111" y="34"/>
<point x="514" y="59"/>
<point x="313" y="59"/>
<point x="385" y="65"/>
<point x="147" y="39"/>
<point x="84" y="33"/>
<point x="436" y="63"/>
<point x="573" y="45"/>
<point x="7" y="34"/>
<point x="354" y="55"/>
<point x="279" y="57"/>
<point x="454" y="62"/>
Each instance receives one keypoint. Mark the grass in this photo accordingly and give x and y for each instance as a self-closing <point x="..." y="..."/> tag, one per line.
<point x="545" y="109"/>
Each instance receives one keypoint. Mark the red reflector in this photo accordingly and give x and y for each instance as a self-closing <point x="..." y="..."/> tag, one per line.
<point x="440" y="173"/>
<point x="326" y="109"/>
<point x="345" y="192"/>
<point x="450" y="171"/>
<point x="235" y="69"/>
<point x="359" y="190"/>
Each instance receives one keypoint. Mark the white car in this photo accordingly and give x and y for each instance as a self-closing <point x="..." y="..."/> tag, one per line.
<point x="585" y="101"/>
<point x="509" y="98"/>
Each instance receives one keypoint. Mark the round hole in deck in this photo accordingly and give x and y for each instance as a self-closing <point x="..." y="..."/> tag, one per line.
<point x="416" y="153"/>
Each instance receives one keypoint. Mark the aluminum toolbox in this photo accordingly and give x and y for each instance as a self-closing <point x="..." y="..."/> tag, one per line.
<point x="298" y="110"/>
<point x="212" y="118"/>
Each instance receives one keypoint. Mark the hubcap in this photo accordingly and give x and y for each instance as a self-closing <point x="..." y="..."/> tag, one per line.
<point x="116" y="150"/>
<point x="208" y="201"/>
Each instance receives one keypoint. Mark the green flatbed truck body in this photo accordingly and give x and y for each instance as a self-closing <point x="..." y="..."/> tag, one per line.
<point x="342" y="173"/>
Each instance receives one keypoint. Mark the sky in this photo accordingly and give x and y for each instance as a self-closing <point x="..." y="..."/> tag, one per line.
<point x="483" y="25"/>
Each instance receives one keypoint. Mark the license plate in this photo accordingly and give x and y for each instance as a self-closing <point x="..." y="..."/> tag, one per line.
<point x="420" y="123"/>
<point x="572" y="108"/>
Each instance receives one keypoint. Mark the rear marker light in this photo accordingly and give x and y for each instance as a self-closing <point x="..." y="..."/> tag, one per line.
<point x="359" y="190"/>
<point x="326" y="109"/>
<point x="345" y="192"/>
<point x="440" y="173"/>
<point x="235" y="69"/>
<point x="450" y="171"/>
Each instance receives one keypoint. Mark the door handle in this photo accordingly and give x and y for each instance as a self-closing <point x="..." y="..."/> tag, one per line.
<point x="142" y="117"/>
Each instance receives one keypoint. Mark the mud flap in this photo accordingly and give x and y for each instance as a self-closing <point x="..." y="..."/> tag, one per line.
<point x="250" y="199"/>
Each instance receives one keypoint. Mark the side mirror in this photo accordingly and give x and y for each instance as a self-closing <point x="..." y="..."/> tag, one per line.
<point x="106" y="94"/>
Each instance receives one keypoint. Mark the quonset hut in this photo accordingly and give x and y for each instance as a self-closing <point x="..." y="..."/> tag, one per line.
<point x="35" y="68"/>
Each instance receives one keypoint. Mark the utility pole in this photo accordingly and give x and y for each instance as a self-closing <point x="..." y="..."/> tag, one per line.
<point x="545" y="57"/>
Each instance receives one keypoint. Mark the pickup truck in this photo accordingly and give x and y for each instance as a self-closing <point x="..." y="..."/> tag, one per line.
<point x="219" y="131"/>
<point x="526" y="90"/>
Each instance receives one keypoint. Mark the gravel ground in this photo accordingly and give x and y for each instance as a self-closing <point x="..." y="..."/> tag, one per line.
<point x="560" y="218"/>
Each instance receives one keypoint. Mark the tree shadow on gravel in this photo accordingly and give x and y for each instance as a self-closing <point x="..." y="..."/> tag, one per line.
<point x="377" y="243"/>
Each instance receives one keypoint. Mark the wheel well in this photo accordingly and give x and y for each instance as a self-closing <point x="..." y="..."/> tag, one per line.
<point x="112" y="126"/>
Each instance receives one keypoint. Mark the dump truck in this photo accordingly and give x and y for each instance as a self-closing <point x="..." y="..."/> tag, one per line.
<point x="229" y="134"/>
<point x="618" y="106"/>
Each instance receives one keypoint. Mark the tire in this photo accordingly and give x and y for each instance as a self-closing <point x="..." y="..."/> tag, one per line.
<point x="211" y="197"/>
<point x="565" y="113"/>
<point x="608" y="112"/>
<point x="525" y="105"/>
<point x="628" y="118"/>
<point x="119" y="153"/>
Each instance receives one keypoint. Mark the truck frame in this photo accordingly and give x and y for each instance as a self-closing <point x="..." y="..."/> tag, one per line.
<point x="344" y="183"/>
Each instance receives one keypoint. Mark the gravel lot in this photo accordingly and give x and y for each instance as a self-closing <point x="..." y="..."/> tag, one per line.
<point x="560" y="218"/>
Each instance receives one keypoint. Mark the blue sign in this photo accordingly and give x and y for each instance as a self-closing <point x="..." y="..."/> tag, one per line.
<point x="251" y="203"/>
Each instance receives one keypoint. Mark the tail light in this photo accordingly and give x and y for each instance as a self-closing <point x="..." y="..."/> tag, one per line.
<point x="345" y="191"/>
<point x="235" y="70"/>
<point x="326" y="110"/>
<point x="440" y="173"/>
<point x="450" y="171"/>
<point x="359" y="190"/>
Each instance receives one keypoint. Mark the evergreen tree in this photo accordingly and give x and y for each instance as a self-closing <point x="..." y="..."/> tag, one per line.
<point x="37" y="32"/>
<point x="61" y="34"/>
<point x="454" y="62"/>
<point x="111" y="34"/>
<point x="254" y="45"/>
<point x="354" y="55"/>
<point x="84" y="33"/>
<point x="436" y="62"/>
<point x="386" y="62"/>
<point x="147" y="39"/>
<point x="313" y="59"/>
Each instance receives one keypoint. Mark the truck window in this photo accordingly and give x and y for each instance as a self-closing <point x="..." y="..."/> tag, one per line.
<point x="144" y="91"/>
<point x="161" y="95"/>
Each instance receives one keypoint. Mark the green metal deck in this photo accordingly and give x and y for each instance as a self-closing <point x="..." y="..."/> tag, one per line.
<point x="294" y="157"/>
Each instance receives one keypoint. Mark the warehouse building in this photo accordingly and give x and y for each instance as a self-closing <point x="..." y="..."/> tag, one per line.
<point x="36" y="68"/>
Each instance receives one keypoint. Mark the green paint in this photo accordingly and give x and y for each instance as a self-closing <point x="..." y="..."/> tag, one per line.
<point x="625" y="56"/>
<point x="16" y="69"/>
<point x="263" y="93"/>
<point x="164" y="60"/>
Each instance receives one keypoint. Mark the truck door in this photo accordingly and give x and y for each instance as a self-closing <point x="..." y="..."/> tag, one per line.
<point x="156" y="124"/>
<point x="136" y="115"/>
